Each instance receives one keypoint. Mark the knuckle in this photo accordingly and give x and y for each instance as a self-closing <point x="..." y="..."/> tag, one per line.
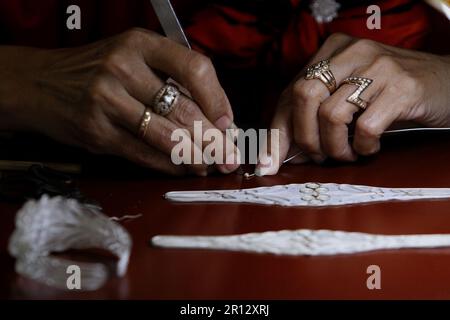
<point x="199" y="66"/>
<point x="332" y="115"/>
<point x="304" y="91"/>
<point x="337" y="37"/>
<point x="114" y="63"/>
<point x="386" y="62"/>
<point x="364" y="46"/>
<point x="132" y="36"/>
<point x="97" y="90"/>
<point x="368" y="129"/>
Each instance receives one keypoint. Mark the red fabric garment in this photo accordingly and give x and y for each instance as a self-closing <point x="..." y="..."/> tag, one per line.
<point x="42" y="23"/>
<point x="257" y="45"/>
<point x="303" y="36"/>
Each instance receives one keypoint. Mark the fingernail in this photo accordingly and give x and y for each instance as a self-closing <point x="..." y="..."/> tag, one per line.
<point x="266" y="166"/>
<point x="223" y="123"/>
<point x="265" y="161"/>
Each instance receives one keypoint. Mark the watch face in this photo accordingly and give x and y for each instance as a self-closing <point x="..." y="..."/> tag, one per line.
<point x="324" y="10"/>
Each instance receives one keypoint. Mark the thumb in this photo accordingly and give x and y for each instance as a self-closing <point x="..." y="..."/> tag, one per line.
<point x="275" y="150"/>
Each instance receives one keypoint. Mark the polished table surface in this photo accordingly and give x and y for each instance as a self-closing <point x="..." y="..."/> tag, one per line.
<point x="408" y="161"/>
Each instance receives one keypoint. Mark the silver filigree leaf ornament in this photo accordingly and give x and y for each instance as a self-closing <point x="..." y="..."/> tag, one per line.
<point x="54" y="225"/>
<point x="311" y="195"/>
<point x="305" y="242"/>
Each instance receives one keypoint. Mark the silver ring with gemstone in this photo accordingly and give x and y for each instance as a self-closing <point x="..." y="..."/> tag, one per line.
<point x="166" y="99"/>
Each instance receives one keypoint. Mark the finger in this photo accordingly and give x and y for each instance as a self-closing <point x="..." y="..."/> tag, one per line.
<point x="144" y="85"/>
<point x="335" y="114"/>
<point x="137" y="78"/>
<point x="307" y="95"/>
<point x="374" y="121"/>
<point x="306" y="99"/>
<point x="274" y="152"/>
<point x="127" y="112"/>
<point x="193" y="71"/>
<point x="334" y="132"/>
<point x="187" y="114"/>
<point x="127" y="146"/>
<point x="306" y="132"/>
<point x="362" y="59"/>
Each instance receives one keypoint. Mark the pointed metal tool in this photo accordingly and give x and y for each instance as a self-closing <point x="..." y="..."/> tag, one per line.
<point x="169" y="21"/>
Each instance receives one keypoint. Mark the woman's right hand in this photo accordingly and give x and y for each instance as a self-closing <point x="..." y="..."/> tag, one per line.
<point x="95" y="96"/>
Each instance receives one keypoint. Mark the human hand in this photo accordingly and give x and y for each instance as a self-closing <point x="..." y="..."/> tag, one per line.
<point x="407" y="86"/>
<point x="95" y="96"/>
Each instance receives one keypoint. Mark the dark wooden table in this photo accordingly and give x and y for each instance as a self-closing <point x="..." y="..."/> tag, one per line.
<point x="407" y="161"/>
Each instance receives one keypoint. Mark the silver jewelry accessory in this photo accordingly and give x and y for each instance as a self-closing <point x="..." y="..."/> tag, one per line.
<point x="324" y="11"/>
<point x="310" y="195"/>
<point x="321" y="71"/>
<point x="305" y="242"/>
<point x="166" y="99"/>
<point x="362" y="84"/>
<point x="53" y="225"/>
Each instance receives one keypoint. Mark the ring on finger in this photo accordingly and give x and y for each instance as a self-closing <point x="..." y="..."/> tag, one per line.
<point x="146" y="118"/>
<point x="362" y="84"/>
<point x="166" y="99"/>
<point x="321" y="71"/>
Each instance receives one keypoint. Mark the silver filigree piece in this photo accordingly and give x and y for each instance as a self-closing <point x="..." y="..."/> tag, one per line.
<point x="310" y="194"/>
<point x="54" y="225"/>
<point x="166" y="99"/>
<point x="305" y="242"/>
<point x="324" y="11"/>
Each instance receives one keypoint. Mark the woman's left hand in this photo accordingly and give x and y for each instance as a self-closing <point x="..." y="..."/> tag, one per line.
<point x="407" y="86"/>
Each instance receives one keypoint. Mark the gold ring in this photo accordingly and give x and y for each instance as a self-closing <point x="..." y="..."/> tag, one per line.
<point x="363" y="84"/>
<point x="321" y="71"/>
<point x="146" y="118"/>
